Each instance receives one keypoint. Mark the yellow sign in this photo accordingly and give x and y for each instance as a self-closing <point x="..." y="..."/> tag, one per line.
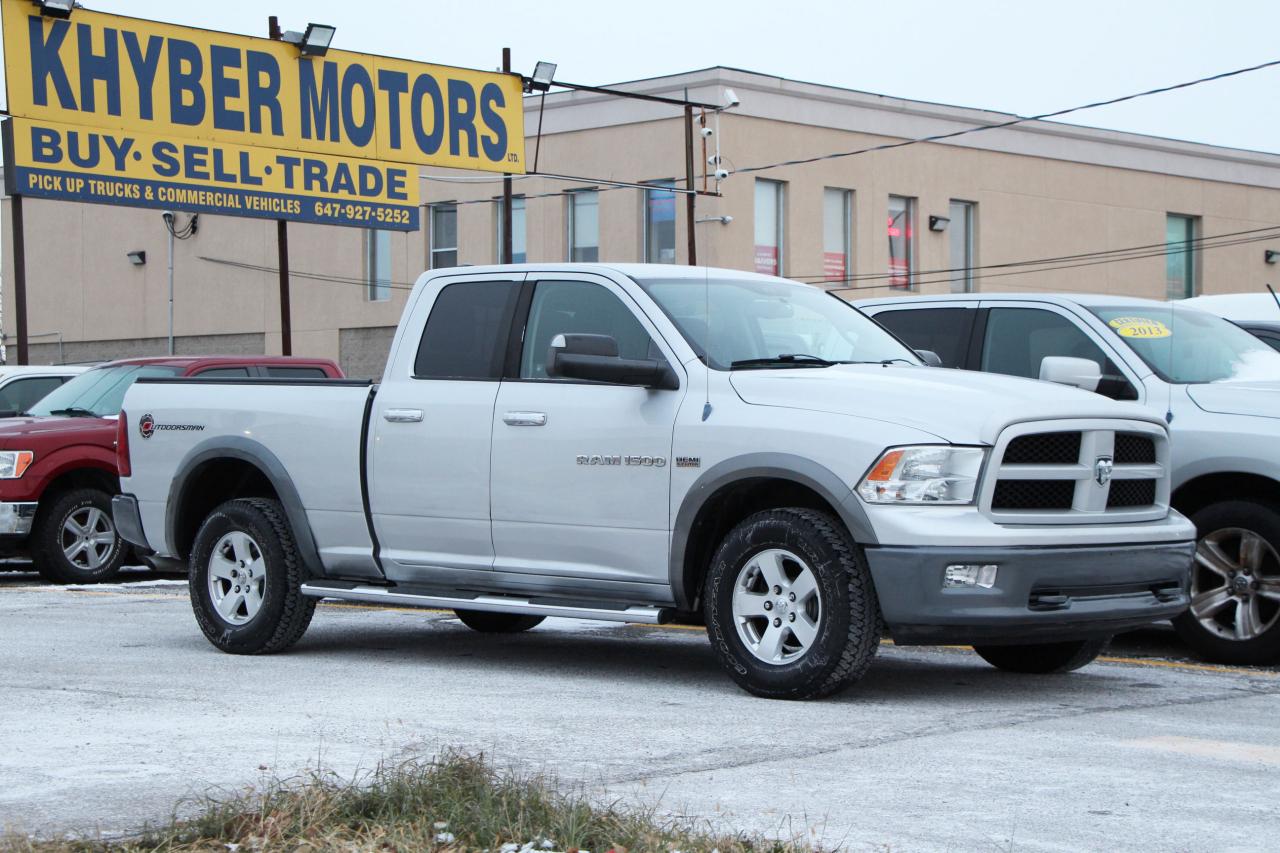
<point x="170" y="93"/>
<point x="1139" y="327"/>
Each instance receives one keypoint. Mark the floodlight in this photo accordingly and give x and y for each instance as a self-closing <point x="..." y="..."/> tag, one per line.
<point x="543" y="75"/>
<point x="55" y="8"/>
<point x="939" y="223"/>
<point x="314" y="42"/>
<point x="137" y="257"/>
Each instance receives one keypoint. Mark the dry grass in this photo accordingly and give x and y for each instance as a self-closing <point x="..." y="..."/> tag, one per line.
<point x="455" y="802"/>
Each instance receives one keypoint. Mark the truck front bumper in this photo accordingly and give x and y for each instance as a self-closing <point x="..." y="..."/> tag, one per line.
<point x="1039" y="595"/>
<point x="16" y="518"/>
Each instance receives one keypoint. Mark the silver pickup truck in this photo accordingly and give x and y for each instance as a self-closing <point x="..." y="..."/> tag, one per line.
<point x="626" y="442"/>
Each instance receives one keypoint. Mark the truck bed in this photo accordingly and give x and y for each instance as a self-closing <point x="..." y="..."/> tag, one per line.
<point x="292" y="423"/>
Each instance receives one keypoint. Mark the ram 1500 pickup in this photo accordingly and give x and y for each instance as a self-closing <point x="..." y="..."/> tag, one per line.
<point x="624" y="442"/>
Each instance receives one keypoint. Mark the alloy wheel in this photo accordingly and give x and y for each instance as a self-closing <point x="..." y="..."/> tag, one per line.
<point x="1235" y="585"/>
<point x="237" y="577"/>
<point x="776" y="606"/>
<point x="88" y="538"/>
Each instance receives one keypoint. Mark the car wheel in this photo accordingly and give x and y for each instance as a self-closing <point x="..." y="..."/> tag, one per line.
<point x="245" y="579"/>
<point x="74" y="539"/>
<point x="488" y="622"/>
<point x="1235" y="584"/>
<point x="1043" y="658"/>
<point x="790" y="607"/>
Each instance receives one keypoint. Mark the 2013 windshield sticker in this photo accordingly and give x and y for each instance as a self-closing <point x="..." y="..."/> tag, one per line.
<point x="1139" y="327"/>
<point x="148" y="427"/>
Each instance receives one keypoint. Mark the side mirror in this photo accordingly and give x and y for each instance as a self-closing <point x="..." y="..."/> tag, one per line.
<point x="1080" y="372"/>
<point x="929" y="357"/>
<point x="595" y="358"/>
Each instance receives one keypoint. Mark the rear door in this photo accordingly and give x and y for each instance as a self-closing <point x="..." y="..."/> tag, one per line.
<point x="430" y="430"/>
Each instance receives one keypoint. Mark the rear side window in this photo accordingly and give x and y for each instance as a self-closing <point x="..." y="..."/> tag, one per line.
<point x="21" y="394"/>
<point x="295" y="372"/>
<point x="944" y="330"/>
<point x="466" y="334"/>
<point x="224" y="373"/>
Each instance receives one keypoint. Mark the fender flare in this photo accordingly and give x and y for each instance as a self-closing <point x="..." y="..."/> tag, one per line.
<point x="751" y="466"/>
<point x="256" y="454"/>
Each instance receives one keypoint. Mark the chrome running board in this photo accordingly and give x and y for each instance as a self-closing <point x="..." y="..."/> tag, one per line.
<point x="494" y="603"/>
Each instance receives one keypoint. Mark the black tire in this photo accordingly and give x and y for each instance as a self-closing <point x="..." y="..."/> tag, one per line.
<point x="1043" y="658"/>
<point x="1207" y="643"/>
<point x="50" y="538"/>
<point x="488" y="622"/>
<point x="848" y="631"/>
<point x="284" y="612"/>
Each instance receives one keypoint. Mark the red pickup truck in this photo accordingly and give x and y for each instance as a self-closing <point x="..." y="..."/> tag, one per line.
<point x="58" y="460"/>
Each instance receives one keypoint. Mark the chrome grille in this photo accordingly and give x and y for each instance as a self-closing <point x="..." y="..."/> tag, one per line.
<point x="1077" y="471"/>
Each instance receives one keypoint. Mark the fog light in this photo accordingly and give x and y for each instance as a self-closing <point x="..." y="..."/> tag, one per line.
<point x="969" y="575"/>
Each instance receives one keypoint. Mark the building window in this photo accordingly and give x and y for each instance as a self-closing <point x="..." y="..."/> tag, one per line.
<point x="1180" y="255"/>
<point x="519" y="253"/>
<point x="837" y="234"/>
<point x="444" y="236"/>
<point x="584" y="226"/>
<point x="768" y="228"/>
<point x="377" y="265"/>
<point x="963" y="219"/>
<point x="902" y="239"/>
<point x="660" y="224"/>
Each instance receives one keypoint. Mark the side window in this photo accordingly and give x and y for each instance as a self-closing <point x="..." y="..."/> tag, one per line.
<point x="224" y="373"/>
<point x="1018" y="339"/>
<point x="561" y="307"/>
<point x="466" y="334"/>
<point x="21" y="394"/>
<point x="294" y="372"/>
<point x="944" y="330"/>
<point x="1269" y="339"/>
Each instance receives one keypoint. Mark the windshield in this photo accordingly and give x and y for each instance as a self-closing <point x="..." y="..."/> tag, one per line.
<point x="1190" y="346"/>
<point x="96" y="392"/>
<point x="762" y="320"/>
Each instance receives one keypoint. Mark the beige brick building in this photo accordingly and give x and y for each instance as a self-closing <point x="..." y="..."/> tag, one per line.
<point x="1034" y="191"/>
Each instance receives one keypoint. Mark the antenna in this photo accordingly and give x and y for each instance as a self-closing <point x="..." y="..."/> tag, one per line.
<point x="1173" y="341"/>
<point x="706" y="345"/>
<point x="1273" y="295"/>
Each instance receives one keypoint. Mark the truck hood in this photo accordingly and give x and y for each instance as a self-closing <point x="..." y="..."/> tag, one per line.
<point x="1260" y="399"/>
<point x="958" y="406"/>
<point x="18" y="433"/>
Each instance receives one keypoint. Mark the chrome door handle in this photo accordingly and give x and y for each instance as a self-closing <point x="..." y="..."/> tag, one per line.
<point x="525" y="419"/>
<point x="402" y="416"/>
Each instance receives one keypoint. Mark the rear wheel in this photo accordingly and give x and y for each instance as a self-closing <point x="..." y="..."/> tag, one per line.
<point x="245" y="579"/>
<point x="487" y="622"/>
<point x="1235" y="584"/>
<point x="1043" y="658"/>
<point x="74" y="539"/>
<point x="790" y="607"/>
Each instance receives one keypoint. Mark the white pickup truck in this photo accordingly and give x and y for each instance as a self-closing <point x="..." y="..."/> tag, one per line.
<point x="625" y="442"/>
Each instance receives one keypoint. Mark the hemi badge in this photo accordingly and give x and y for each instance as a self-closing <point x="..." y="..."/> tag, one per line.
<point x="688" y="461"/>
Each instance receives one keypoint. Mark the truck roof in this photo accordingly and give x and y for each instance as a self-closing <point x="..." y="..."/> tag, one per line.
<point x="637" y="271"/>
<point x="1099" y="300"/>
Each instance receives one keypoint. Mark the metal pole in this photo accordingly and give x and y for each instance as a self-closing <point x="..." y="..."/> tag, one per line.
<point x="170" y="225"/>
<point x="507" y="242"/>
<point x="19" y="278"/>
<point x="688" y="179"/>
<point x="286" y="325"/>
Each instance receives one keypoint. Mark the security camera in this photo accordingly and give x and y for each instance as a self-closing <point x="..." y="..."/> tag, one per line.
<point x="708" y="132"/>
<point x="721" y="174"/>
<point x="730" y="98"/>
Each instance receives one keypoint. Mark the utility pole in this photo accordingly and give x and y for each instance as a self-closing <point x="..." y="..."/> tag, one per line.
<point x="170" y="226"/>
<point x="506" y="253"/>
<point x="688" y="178"/>
<point x="19" y="277"/>
<point x="282" y="244"/>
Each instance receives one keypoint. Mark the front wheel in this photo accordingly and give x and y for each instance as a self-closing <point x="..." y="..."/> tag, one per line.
<point x="75" y="540"/>
<point x="790" y="607"/>
<point x="1235" y="585"/>
<point x="245" y="579"/>
<point x="1043" y="658"/>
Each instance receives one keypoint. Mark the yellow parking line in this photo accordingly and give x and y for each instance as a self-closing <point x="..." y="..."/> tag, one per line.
<point x="1191" y="667"/>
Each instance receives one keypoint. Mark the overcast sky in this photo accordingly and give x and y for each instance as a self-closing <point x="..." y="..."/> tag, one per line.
<point x="1021" y="57"/>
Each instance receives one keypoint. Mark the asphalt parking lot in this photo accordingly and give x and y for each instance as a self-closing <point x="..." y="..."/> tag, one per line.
<point x="114" y="707"/>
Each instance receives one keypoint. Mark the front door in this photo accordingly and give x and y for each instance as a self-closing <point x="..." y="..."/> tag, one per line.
<point x="582" y="470"/>
<point x="430" y="431"/>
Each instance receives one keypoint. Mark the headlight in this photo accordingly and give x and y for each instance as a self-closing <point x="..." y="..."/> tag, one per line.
<point x="14" y="463"/>
<point x="931" y="474"/>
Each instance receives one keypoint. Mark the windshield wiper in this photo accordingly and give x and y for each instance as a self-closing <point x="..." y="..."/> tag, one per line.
<point x="74" y="412"/>
<point x="786" y="359"/>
